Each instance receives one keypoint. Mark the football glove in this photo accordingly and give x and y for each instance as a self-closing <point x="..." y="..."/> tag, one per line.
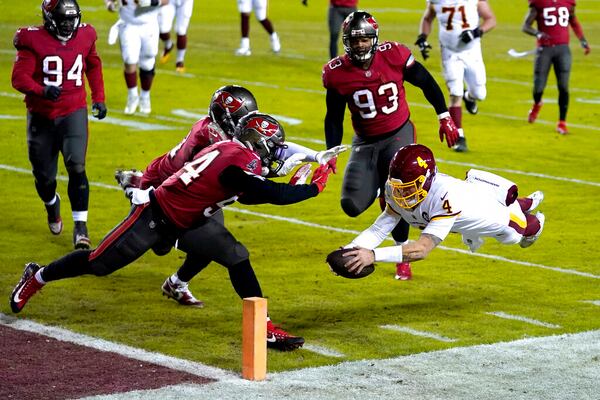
<point x="300" y="176"/>
<point x="99" y="110"/>
<point x="448" y="129"/>
<point x="292" y="162"/>
<point x="323" y="157"/>
<point x="52" y="92"/>
<point x="586" y="46"/>
<point x="320" y="176"/>
<point x="147" y="3"/>
<point x="471" y="34"/>
<point x="424" y="46"/>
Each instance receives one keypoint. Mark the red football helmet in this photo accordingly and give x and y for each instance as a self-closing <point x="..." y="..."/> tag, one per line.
<point x="61" y="18"/>
<point x="230" y="103"/>
<point x="411" y="172"/>
<point x="263" y="134"/>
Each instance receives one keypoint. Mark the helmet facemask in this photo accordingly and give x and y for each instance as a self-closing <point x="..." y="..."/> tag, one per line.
<point x="409" y="195"/>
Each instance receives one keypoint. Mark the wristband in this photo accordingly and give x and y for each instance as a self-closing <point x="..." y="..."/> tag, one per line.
<point x="444" y="115"/>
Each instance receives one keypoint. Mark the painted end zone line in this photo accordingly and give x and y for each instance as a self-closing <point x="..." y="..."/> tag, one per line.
<point x="342" y="230"/>
<point x="104" y="345"/>
<point x="504" y="315"/>
<point x="415" y="332"/>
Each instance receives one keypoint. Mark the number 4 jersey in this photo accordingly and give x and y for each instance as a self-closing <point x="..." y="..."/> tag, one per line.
<point x="376" y="96"/>
<point x="44" y="60"/>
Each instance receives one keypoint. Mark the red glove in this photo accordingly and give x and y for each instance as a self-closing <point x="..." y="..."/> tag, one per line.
<point x="333" y="164"/>
<point x="448" y="129"/>
<point x="320" y="176"/>
<point x="300" y="176"/>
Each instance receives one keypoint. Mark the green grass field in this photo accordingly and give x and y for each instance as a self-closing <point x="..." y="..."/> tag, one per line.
<point x="452" y="292"/>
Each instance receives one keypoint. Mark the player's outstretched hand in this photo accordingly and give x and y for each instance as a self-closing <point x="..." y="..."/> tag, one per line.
<point x="448" y="129"/>
<point x="52" y="92"/>
<point x="292" y="162"/>
<point x="301" y="175"/>
<point x="99" y="110"/>
<point x="320" y="176"/>
<point x="325" y="156"/>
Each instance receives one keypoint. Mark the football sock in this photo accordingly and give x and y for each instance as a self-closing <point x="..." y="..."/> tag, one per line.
<point x="78" y="190"/>
<point x="244" y="280"/>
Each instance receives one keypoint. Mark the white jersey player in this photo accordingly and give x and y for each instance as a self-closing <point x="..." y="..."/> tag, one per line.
<point x="484" y="205"/>
<point x="245" y="7"/>
<point x="138" y="36"/>
<point x="460" y="42"/>
<point x="181" y="12"/>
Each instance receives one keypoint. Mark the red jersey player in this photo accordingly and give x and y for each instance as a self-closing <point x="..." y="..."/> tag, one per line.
<point x="369" y="78"/>
<point x="49" y="69"/>
<point x="553" y="18"/>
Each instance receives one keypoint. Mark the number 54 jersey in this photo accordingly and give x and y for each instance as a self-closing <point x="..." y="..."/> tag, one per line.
<point x="43" y="60"/>
<point x="376" y="96"/>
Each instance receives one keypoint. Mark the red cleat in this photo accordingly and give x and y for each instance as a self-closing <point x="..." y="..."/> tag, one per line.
<point x="403" y="271"/>
<point x="27" y="287"/>
<point x="533" y="113"/>
<point x="561" y="127"/>
<point x="279" y="339"/>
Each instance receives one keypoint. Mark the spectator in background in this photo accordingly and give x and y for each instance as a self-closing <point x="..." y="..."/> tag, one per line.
<point x="553" y="20"/>
<point x="138" y="35"/>
<point x="370" y="78"/>
<point x="460" y="33"/>
<point x="260" y="11"/>
<point x="49" y="68"/>
<point x="181" y="10"/>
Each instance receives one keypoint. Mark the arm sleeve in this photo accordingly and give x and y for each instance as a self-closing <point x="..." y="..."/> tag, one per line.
<point x="94" y="75"/>
<point x="293" y="148"/>
<point x="417" y="75"/>
<point x="576" y="27"/>
<point x="376" y="233"/>
<point x="257" y="190"/>
<point x="334" y="118"/>
<point x="22" y="74"/>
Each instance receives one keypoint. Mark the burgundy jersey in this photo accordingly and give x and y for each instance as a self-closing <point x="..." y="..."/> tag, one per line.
<point x="553" y="19"/>
<point x="44" y="60"/>
<point x="195" y="193"/>
<point x="344" y="3"/>
<point x="376" y="97"/>
<point x="203" y="133"/>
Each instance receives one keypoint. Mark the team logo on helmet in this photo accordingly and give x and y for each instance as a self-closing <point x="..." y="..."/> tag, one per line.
<point x="263" y="126"/>
<point x="373" y="23"/>
<point x="228" y="102"/>
<point x="49" y="5"/>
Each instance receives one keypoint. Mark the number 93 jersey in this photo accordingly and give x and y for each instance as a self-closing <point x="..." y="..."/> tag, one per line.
<point x="454" y="17"/>
<point x="43" y="60"/>
<point x="376" y="96"/>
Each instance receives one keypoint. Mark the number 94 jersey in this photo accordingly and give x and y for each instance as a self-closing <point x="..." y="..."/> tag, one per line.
<point x="43" y="60"/>
<point x="376" y="96"/>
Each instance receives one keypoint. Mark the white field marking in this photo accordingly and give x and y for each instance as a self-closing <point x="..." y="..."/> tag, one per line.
<point x="594" y="302"/>
<point x="588" y="101"/>
<point x="287" y="120"/>
<point x="553" y="367"/>
<point x="323" y="350"/>
<point x="13" y="95"/>
<point x="415" y="332"/>
<point x="11" y="117"/>
<point x="504" y="315"/>
<point x="142" y="126"/>
<point x="522" y="83"/>
<point x="342" y="230"/>
<point x="65" y="335"/>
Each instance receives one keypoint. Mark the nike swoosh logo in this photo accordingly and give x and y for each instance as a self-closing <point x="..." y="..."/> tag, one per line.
<point x="271" y="339"/>
<point x="444" y="196"/>
<point x="16" y="298"/>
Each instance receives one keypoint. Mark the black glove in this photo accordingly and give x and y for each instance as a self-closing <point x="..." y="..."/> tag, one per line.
<point x="305" y="2"/>
<point x="424" y="46"/>
<point x="99" y="110"/>
<point x="52" y="92"/>
<point x="467" y="36"/>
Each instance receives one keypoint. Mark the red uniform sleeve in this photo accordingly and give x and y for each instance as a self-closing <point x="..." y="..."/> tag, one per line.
<point x="24" y="66"/>
<point x="94" y="71"/>
<point x="576" y="27"/>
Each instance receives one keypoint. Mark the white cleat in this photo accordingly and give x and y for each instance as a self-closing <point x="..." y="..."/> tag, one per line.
<point x="145" y="106"/>
<point x="275" y="44"/>
<point x="132" y="105"/>
<point x="537" y="197"/>
<point x="527" y="241"/>
<point x="243" y="51"/>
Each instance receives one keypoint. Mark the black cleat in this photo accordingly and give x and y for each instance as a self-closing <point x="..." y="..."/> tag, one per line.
<point x="461" y="145"/>
<point x="470" y="105"/>
<point x="81" y="239"/>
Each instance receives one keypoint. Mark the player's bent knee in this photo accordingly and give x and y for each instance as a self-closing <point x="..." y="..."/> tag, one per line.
<point x="479" y="94"/>
<point x="76" y="168"/>
<point x="100" y="269"/>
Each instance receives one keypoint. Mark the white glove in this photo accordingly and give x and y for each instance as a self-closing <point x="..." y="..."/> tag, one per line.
<point x="324" y="156"/>
<point x="147" y="3"/>
<point x="139" y="196"/>
<point x="292" y="162"/>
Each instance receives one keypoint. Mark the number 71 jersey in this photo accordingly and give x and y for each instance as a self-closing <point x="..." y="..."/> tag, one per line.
<point x="376" y="97"/>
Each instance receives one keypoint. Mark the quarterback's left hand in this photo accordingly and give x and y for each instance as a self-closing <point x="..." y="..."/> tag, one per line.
<point x="292" y="162"/>
<point x="324" y="156"/>
<point x="468" y="35"/>
<point x="448" y="129"/>
<point x="99" y="110"/>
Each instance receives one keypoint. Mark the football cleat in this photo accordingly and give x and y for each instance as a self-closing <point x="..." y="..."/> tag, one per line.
<point x="403" y="271"/>
<point x="470" y="105"/>
<point x="132" y="104"/>
<point x="55" y="223"/>
<point x="166" y="54"/>
<point x="145" y="106"/>
<point x="27" y="287"/>
<point x="527" y="241"/>
<point x="461" y="145"/>
<point x="536" y="198"/>
<point x="561" y="127"/>
<point x="180" y="293"/>
<point x="129" y="179"/>
<point x="533" y="113"/>
<point x="243" y="51"/>
<point x="279" y="339"/>
<point x="179" y="67"/>
<point x="275" y="43"/>
<point x="81" y="239"/>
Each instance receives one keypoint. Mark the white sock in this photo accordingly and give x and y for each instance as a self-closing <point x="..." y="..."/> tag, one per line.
<point x="132" y="92"/>
<point x="175" y="279"/>
<point x="38" y="276"/>
<point x="80" y="216"/>
<point x="168" y="43"/>
<point x="51" y="202"/>
<point x="145" y="94"/>
<point x="245" y="43"/>
<point x="461" y="133"/>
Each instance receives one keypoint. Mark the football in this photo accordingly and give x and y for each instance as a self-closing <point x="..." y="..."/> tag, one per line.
<point x="336" y="261"/>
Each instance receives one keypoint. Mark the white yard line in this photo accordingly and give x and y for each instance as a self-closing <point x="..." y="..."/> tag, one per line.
<point x="325" y="351"/>
<point x="415" y="332"/>
<point x="594" y="302"/>
<point x="501" y="314"/>
<point x="342" y="230"/>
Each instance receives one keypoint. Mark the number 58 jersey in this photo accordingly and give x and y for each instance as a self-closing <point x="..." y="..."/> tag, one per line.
<point x="43" y="60"/>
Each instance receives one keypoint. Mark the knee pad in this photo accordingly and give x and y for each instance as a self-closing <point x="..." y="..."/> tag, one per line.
<point x="75" y="168"/>
<point x="147" y="64"/>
